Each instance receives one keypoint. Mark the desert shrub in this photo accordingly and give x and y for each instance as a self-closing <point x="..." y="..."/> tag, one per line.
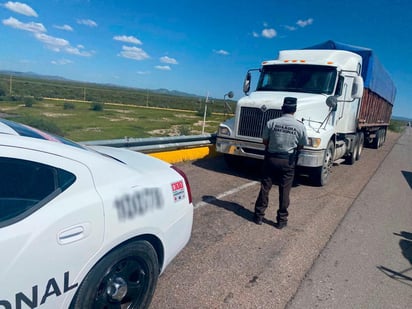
<point x="68" y="105"/>
<point x="28" y="101"/>
<point x="98" y="107"/>
<point x="184" y="130"/>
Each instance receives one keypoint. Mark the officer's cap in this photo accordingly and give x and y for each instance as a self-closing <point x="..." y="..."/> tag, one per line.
<point x="289" y="105"/>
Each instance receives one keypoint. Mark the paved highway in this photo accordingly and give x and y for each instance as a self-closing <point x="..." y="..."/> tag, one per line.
<point x="231" y="262"/>
<point x="368" y="261"/>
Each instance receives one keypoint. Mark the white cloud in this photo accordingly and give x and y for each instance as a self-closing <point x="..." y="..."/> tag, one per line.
<point x="32" y="27"/>
<point x="255" y="34"/>
<point x="20" y="8"/>
<point x="221" y="52"/>
<point x="134" y="53"/>
<point x="51" y="42"/>
<point x="163" y="67"/>
<point x="64" y="27"/>
<point x="61" y="62"/>
<point x="304" y="23"/>
<point x="169" y="60"/>
<point x="269" y="33"/>
<point x="127" y="39"/>
<point x="87" y="22"/>
<point x="291" y="28"/>
<point x="76" y="51"/>
<point x="143" y="72"/>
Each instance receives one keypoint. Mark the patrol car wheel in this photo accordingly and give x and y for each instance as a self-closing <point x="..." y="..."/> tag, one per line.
<point x="321" y="173"/>
<point x="124" y="278"/>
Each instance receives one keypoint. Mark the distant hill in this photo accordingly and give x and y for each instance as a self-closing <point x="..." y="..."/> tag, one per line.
<point x="59" y="78"/>
<point x="33" y="75"/>
<point x="401" y="118"/>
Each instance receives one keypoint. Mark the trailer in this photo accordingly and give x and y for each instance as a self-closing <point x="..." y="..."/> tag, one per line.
<point x="377" y="101"/>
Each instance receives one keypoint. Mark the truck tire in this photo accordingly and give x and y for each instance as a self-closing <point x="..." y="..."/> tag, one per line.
<point x="361" y="141"/>
<point x="376" y="140"/>
<point x="351" y="158"/>
<point x="382" y="136"/>
<point x="321" y="174"/>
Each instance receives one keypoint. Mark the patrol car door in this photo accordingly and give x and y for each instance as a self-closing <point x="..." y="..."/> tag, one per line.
<point x="51" y="225"/>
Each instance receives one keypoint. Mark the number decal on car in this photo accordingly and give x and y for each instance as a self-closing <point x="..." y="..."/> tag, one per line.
<point x="138" y="203"/>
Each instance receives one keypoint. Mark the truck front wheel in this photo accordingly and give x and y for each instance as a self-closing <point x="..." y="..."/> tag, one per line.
<point x="321" y="173"/>
<point x="361" y="141"/>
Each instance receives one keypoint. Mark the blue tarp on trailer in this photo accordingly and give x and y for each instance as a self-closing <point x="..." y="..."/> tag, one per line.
<point x="375" y="77"/>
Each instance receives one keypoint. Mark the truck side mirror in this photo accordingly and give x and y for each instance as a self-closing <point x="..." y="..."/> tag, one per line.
<point x="357" y="88"/>
<point x="332" y="102"/>
<point x="246" y="83"/>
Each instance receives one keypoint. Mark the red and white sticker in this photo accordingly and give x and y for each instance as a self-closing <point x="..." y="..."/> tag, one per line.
<point x="178" y="190"/>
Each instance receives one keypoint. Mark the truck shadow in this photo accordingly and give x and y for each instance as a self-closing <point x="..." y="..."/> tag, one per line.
<point x="408" y="177"/>
<point x="406" y="246"/>
<point x="247" y="168"/>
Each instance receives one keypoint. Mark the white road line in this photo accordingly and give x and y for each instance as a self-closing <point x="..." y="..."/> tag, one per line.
<point x="224" y="194"/>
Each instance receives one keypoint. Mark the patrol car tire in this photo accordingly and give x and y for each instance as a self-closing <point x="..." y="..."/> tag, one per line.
<point x="321" y="174"/>
<point x="126" y="276"/>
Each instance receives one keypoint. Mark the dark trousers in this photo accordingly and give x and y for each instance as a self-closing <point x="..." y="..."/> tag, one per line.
<point x="276" y="171"/>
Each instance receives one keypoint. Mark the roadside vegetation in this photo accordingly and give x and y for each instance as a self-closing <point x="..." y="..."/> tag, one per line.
<point x="397" y="125"/>
<point x="82" y="112"/>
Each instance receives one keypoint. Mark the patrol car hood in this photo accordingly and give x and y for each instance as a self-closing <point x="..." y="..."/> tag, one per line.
<point x="135" y="160"/>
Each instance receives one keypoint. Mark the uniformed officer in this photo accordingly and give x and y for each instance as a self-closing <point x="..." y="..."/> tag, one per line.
<point x="283" y="138"/>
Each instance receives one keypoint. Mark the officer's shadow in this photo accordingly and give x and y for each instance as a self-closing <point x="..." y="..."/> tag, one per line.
<point x="405" y="243"/>
<point x="235" y="208"/>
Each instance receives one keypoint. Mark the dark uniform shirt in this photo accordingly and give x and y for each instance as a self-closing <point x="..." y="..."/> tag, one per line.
<point x="284" y="134"/>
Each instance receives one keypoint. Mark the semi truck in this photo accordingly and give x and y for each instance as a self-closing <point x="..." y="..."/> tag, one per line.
<point x="344" y="98"/>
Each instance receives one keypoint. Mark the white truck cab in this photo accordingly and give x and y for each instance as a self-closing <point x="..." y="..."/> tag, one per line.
<point x="328" y="85"/>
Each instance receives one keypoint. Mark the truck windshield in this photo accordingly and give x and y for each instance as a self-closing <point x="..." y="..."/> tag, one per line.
<point x="298" y="78"/>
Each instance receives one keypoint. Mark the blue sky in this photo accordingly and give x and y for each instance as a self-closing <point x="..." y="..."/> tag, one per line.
<point x="202" y="47"/>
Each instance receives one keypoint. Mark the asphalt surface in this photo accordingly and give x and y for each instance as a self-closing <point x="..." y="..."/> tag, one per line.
<point x="230" y="262"/>
<point x="368" y="261"/>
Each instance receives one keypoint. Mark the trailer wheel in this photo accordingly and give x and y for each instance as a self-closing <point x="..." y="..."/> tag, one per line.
<point x="376" y="140"/>
<point x="361" y="140"/>
<point x="382" y="136"/>
<point x="321" y="173"/>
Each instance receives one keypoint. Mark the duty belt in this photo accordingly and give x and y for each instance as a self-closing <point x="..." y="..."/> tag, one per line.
<point x="280" y="155"/>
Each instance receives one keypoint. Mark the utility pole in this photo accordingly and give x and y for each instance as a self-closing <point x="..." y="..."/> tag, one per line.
<point x="147" y="97"/>
<point x="11" y="87"/>
<point x="204" y="114"/>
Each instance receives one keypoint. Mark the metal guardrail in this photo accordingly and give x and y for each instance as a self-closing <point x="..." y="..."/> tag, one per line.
<point x="156" y="144"/>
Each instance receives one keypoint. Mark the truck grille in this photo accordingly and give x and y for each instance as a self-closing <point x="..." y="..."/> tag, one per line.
<point x="252" y="120"/>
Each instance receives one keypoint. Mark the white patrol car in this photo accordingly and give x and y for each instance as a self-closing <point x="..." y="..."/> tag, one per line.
<point x="85" y="228"/>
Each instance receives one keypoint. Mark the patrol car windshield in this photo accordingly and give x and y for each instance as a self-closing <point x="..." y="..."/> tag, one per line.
<point x="24" y="130"/>
<point x="298" y="78"/>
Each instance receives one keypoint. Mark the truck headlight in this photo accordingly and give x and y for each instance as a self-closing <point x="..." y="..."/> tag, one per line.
<point x="314" y="142"/>
<point x="224" y="131"/>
